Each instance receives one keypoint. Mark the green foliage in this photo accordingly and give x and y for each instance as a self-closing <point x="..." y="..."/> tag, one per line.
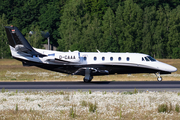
<point x="130" y="93"/>
<point x="39" y="105"/>
<point x="16" y="107"/>
<point x="176" y="53"/>
<point x="3" y="90"/>
<point x="84" y="103"/>
<point x="27" y="99"/>
<point x="66" y="97"/>
<point x="109" y="43"/>
<point x="135" y="91"/>
<point x="92" y="107"/>
<point x="90" y="92"/>
<point x="72" y="112"/>
<point x="49" y="19"/>
<point x="177" y="108"/>
<point x="4" y="46"/>
<point x="148" y="30"/>
<point x="35" y="38"/>
<point x="61" y="92"/>
<point x="4" y="99"/>
<point x="97" y="7"/>
<point x="164" y="107"/>
<point x="148" y="26"/>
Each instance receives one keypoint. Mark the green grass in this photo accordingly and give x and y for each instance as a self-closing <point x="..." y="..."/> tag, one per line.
<point x="84" y="103"/>
<point x="177" y="108"/>
<point x="72" y="112"/>
<point x="3" y="90"/>
<point x="92" y="107"/>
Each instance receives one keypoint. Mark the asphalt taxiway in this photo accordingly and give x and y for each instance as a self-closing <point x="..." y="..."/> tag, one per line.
<point x="94" y="85"/>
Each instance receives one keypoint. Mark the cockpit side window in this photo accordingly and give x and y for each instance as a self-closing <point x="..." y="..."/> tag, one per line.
<point x="146" y="59"/>
<point x="151" y="58"/>
<point x="143" y="59"/>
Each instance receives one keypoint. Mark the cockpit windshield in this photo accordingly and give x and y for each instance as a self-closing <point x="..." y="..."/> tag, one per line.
<point x="151" y="58"/>
<point x="147" y="59"/>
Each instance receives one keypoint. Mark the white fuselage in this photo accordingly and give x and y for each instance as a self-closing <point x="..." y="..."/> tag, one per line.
<point x="96" y="58"/>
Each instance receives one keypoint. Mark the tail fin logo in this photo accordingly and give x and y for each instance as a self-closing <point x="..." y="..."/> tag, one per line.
<point x="13" y="31"/>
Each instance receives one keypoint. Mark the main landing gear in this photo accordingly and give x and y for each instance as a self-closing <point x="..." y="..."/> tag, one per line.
<point x="88" y="76"/>
<point x="159" y="78"/>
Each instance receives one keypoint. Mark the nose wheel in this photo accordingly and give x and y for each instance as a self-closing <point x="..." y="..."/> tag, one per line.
<point x="159" y="78"/>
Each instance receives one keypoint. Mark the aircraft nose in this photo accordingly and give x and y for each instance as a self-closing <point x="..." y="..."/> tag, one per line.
<point x="167" y="67"/>
<point x="173" y="69"/>
<point x="170" y="68"/>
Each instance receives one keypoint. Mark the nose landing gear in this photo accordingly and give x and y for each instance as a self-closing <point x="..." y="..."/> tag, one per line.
<point x="159" y="77"/>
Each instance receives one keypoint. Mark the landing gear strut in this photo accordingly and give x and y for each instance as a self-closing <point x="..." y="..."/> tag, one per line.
<point x="159" y="77"/>
<point x="88" y="76"/>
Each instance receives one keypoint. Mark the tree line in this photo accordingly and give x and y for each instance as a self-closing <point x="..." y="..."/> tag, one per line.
<point x="145" y="26"/>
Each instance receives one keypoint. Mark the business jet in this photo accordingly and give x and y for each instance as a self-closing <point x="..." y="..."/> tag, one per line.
<point x="87" y="64"/>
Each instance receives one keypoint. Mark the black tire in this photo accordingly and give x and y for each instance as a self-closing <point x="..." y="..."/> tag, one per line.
<point x="86" y="80"/>
<point x="159" y="79"/>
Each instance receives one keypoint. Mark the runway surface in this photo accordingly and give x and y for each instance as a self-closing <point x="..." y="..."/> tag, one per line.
<point x="96" y="85"/>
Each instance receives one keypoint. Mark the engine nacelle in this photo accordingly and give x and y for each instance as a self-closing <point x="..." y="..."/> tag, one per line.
<point x="21" y="48"/>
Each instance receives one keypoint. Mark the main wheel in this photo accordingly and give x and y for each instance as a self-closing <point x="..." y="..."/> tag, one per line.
<point x="159" y="79"/>
<point x="86" y="80"/>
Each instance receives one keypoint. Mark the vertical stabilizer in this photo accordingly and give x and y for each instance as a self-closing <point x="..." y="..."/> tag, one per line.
<point x="18" y="42"/>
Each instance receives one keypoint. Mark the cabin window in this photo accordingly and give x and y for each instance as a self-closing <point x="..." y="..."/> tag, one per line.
<point x="103" y="58"/>
<point x="85" y="58"/>
<point x="95" y="58"/>
<point x="111" y="58"/>
<point x="127" y="58"/>
<point x="119" y="58"/>
<point x="147" y="59"/>
<point x="143" y="59"/>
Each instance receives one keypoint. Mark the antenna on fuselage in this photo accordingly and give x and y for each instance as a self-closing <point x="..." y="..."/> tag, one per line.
<point x="98" y="51"/>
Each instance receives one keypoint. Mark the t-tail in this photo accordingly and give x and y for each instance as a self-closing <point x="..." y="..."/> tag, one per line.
<point x="18" y="43"/>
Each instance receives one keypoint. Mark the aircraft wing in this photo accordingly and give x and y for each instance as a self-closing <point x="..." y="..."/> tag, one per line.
<point x="94" y="71"/>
